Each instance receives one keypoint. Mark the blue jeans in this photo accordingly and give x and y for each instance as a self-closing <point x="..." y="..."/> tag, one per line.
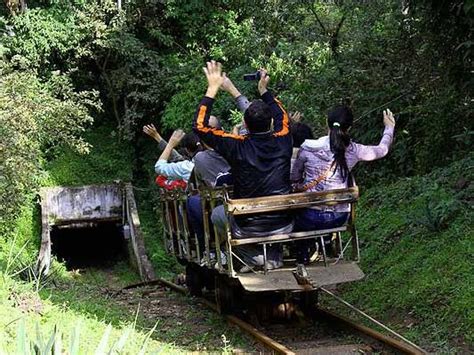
<point x="250" y="254"/>
<point x="195" y="219"/>
<point x="308" y="220"/>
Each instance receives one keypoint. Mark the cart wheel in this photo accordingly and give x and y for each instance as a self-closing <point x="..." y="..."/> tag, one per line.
<point x="193" y="280"/>
<point x="208" y="278"/>
<point x="308" y="302"/>
<point x="182" y="261"/>
<point x="225" y="296"/>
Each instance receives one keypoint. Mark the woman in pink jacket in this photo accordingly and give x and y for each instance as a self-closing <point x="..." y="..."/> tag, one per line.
<point x="326" y="164"/>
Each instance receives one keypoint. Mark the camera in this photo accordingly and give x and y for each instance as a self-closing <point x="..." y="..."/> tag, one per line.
<point x="253" y="76"/>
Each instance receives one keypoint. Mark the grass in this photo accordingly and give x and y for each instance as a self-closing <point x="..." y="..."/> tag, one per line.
<point x="19" y="304"/>
<point x="180" y="331"/>
<point x="76" y="302"/>
<point x="85" y="299"/>
<point x="417" y="247"/>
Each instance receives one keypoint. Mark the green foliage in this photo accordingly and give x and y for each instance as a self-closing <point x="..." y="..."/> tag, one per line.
<point x="370" y="55"/>
<point x="109" y="159"/>
<point x="146" y="60"/>
<point x="43" y="38"/>
<point x="62" y="62"/>
<point x="416" y="239"/>
<point x="39" y="326"/>
<point x="180" y="111"/>
<point x="35" y="344"/>
<point x="34" y="117"/>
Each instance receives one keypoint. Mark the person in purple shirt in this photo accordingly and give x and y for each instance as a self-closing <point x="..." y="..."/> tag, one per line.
<point x="326" y="164"/>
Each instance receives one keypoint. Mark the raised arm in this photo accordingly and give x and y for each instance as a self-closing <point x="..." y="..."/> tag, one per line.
<point x="241" y="101"/>
<point x="179" y="170"/>
<point x="175" y="138"/>
<point x="151" y="131"/>
<point x="218" y="139"/>
<point x="281" y="122"/>
<point x="373" y="152"/>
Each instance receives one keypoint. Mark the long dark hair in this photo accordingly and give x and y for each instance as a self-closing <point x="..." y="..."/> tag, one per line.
<point x="339" y="121"/>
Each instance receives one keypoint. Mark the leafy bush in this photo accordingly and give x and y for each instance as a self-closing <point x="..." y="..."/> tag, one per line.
<point x="416" y="240"/>
<point x="35" y="117"/>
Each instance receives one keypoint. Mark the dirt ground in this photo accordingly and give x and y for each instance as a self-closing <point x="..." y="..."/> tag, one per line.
<point x="183" y="320"/>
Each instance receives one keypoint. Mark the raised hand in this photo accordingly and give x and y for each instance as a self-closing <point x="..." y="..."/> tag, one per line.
<point x="152" y="132"/>
<point x="295" y="116"/>
<point x="263" y="82"/>
<point x="227" y="84"/>
<point x="388" y="119"/>
<point x="236" y="129"/>
<point x="176" y="137"/>
<point x="214" y="76"/>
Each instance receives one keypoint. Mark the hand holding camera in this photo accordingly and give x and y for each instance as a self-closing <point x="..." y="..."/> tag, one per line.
<point x="253" y="76"/>
<point x="262" y="77"/>
<point x="263" y="82"/>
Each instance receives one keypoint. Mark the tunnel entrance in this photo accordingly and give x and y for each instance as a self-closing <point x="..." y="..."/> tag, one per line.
<point x="99" y="245"/>
<point x="94" y="225"/>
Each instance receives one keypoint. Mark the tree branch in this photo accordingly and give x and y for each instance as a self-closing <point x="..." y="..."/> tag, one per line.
<point x="334" y="43"/>
<point x="313" y="11"/>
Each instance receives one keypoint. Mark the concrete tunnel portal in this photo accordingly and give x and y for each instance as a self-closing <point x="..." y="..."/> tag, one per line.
<point x="94" y="225"/>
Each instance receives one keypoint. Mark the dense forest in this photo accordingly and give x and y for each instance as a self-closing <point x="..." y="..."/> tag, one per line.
<point x="79" y="79"/>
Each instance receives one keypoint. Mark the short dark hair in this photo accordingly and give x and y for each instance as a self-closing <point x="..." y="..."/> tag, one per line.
<point x="258" y="117"/>
<point x="191" y="142"/>
<point x="300" y="132"/>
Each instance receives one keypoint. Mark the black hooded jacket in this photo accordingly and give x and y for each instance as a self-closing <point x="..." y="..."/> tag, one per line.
<point x="260" y="163"/>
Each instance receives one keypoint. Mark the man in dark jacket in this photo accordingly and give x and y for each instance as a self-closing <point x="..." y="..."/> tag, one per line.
<point x="260" y="161"/>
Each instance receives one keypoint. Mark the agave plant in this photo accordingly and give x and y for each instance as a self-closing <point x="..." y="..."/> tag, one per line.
<point x="54" y="345"/>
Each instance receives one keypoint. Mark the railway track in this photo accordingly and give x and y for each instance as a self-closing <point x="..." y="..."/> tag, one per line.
<point x="325" y="333"/>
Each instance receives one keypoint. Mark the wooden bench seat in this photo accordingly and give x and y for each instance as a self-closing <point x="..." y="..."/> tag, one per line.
<point x="292" y="201"/>
<point x="281" y="238"/>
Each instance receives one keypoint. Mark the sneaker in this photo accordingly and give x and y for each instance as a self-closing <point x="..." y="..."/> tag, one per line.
<point x="223" y="258"/>
<point x="315" y="256"/>
<point x="223" y="261"/>
<point x="169" y="246"/>
<point x="274" y="264"/>
<point x="183" y="247"/>
<point x="203" y="260"/>
<point x="245" y="269"/>
<point x="212" y="258"/>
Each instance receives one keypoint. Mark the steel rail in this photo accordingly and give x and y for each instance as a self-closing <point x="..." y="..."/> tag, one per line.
<point x="254" y="332"/>
<point x="371" y="333"/>
<point x="404" y="346"/>
<point x="411" y="349"/>
<point x="262" y="338"/>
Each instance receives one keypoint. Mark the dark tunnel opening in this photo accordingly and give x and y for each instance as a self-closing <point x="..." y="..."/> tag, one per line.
<point x="95" y="245"/>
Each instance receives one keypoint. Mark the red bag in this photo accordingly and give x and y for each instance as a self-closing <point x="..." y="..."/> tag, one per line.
<point x="162" y="181"/>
